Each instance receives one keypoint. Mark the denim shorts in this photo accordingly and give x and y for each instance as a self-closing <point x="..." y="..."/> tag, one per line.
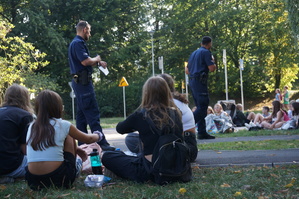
<point x="63" y="176"/>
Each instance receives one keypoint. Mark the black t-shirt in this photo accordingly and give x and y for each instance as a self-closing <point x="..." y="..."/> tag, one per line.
<point x="13" y="130"/>
<point x="137" y="122"/>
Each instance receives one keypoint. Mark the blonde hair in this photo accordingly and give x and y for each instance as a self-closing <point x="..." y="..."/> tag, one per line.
<point x="210" y="109"/>
<point x="17" y="95"/>
<point x="239" y="106"/>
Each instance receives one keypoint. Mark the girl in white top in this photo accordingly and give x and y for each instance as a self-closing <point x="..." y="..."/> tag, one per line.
<point x="187" y="116"/>
<point x="51" y="146"/>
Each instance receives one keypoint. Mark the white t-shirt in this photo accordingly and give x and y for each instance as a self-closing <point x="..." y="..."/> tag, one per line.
<point x="54" y="153"/>
<point x="187" y="115"/>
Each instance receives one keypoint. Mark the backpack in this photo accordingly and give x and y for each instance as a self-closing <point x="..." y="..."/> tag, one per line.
<point x="171" y="156"/>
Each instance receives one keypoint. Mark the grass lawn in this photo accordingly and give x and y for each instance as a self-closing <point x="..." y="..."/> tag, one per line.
<point x="251" y="145"/>
<point x="245" y="133"/>
<point x="110" y="122"/>
<point x="227" y="182"/>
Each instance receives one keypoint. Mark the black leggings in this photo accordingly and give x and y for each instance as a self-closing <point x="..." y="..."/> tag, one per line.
<point x="127" y="167"/>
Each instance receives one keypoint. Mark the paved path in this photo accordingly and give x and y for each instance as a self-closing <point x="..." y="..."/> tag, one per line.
<point x="208" y="158"/>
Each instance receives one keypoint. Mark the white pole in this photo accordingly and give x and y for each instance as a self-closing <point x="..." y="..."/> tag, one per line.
<point x="187" y="82"/>
<point x="241" y="82"/>
<point x="73" y="106"/>
<point x="73" y="101"/>
<point x="124" y="94"/>
<point x="153" y="64"/>
<point x="225" y="71"/>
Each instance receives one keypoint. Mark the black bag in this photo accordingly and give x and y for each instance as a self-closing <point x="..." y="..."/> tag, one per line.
<point x="171" y="157"/>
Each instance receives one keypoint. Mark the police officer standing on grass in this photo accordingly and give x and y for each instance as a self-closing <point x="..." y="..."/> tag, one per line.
<point x="200" y="64"/>
<point x="81" y="69"/>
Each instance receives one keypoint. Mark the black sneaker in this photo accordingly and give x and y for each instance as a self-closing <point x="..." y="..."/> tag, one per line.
<point x="205" y="136"/>
<point x="105" y="146"/>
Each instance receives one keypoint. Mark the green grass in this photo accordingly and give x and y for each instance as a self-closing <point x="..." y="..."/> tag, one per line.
<point x="106" y="122"/>
<point x="251" y="145"/>
<point x="245" y="133"/>
<point x="251" y="182"/>
<point x="110" y="122"/>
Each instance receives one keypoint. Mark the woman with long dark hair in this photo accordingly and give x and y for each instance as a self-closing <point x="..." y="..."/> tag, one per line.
<point x="157" y="105"/>
<point x="51" y="146"/>
<point x="277" y="118"/>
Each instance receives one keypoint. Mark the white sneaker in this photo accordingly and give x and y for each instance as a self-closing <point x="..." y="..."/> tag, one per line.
<point x="252" y="124"/>
<point x="247" y="125"/>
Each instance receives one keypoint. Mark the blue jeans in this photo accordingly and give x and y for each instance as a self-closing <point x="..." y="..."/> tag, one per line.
<point x="20" y="171"/>
<point x="202" y="101"/>
<point x="87" y="108"/>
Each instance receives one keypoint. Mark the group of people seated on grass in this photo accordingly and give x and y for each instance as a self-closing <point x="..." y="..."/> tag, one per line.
<point x="218" y="121"/>
<point x="41" y="146"/>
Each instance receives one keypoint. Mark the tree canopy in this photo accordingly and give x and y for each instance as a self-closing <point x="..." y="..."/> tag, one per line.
<point x="262" y="32"/>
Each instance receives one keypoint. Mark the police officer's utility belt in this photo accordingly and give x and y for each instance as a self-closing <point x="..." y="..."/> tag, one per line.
<point x="83" y="77"/>
<point x="202" y="77"/>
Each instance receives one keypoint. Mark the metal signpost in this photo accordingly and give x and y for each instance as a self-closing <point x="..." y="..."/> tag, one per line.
<point x="186" y="81"/>
<point x="72" y="95"/>
<point x="241" y="82"/>
<point x="161" y="64"/>
<point x="123" y="83"/>
<point x="225" y="71"/>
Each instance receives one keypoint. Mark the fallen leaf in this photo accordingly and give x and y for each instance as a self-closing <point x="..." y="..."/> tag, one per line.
<point x="238" y="193"/>
<point x="283" y="191"/>
<point x="225" y="185"/>
<point x="219" y="152"/>
<point x="2" y="187"/>
<point x="182" y="190"/>
<point x="293" y="180"/>
<point x="288" y="185"/>
<point x="238" y="171"/>
<point x="8" y="196"/>
<point x="274" y="175"/>
<point x="63" y="195"/>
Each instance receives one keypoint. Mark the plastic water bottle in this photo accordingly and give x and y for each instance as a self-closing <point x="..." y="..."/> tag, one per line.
<point x="95" y="162"/>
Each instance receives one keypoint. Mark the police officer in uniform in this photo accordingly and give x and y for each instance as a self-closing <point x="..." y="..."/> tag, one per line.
<point x="200" y="64"/>
<point x="81" y="69"/>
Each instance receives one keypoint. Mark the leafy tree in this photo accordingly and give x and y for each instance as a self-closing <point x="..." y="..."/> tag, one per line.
<point x="17" y="58"/>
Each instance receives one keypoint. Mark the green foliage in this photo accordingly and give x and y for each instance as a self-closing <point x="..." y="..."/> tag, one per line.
<point x="18" y="58"/>
<point x="293" y="9"/>
<point x="258" y="31"/>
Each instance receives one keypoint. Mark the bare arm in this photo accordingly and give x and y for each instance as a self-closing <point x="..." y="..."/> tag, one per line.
<point x="82" y="137"/>
<point x="279" y="117"/>
<point x="187" y="70"/>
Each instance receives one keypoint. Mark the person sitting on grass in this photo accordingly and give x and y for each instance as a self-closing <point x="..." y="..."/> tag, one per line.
<point x="277" y="118"/>
<point x="158" y="106"/>
<point x="256" y="119"/>
<point x="210" y="110"/>
<point x="51" y="146"/>
<point x="240" y="119"/>
<point x="293" y="122"/>
<point x="290" y="109"/>
<point x="15" y="115"/>
<point x="220" y="122"/>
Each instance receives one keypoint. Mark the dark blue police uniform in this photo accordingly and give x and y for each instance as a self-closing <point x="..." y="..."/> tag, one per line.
<point x="198" y="71"/>
<point x="87" y="106"/>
